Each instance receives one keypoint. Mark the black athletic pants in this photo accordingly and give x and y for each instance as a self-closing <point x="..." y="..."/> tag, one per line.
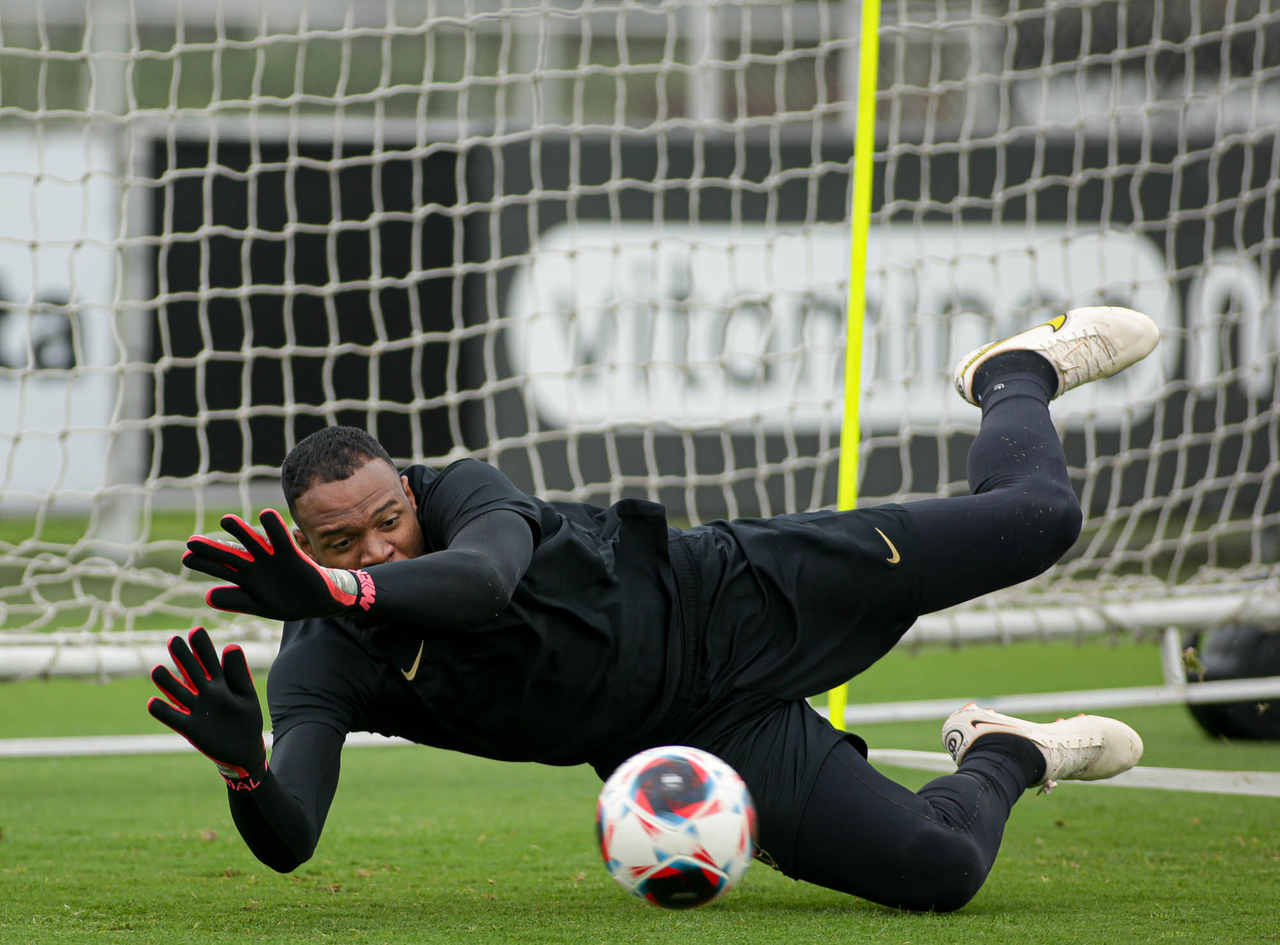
<point x="864" y="834"/>
<point x="786" y="607"/>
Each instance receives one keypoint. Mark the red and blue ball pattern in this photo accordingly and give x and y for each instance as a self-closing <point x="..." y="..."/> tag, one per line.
<point x="676" y="826"/>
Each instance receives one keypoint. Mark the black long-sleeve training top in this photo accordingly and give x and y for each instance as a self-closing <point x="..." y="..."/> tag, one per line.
<point x="581" y="664"/>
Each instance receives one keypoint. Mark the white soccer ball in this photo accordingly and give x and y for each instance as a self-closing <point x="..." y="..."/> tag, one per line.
<point x="676" y="826"/>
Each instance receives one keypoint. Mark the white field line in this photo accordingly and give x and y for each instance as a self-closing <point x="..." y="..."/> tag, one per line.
<point x="1260" y="783"/>
<point x="1085" y="700"/>
<point x="82" y="745"/>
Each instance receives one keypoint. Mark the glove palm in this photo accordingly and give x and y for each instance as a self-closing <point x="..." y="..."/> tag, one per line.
<point x="214" y="706"/>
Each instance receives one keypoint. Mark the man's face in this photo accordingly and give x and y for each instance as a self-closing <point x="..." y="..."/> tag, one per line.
<point x="368" y="518"/>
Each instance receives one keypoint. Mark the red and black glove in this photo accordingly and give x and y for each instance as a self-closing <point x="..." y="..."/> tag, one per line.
<point x="213" y="706"/>
<point x="272" y="577"/>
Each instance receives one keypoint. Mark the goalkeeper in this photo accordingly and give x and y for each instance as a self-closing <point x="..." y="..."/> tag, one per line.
<point x="452" y="609"/>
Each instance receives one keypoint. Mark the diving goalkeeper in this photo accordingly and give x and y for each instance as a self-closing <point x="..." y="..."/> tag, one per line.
<point x="452" y="609"/>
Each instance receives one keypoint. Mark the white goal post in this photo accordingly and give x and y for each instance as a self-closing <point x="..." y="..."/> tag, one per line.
<point x="605" y="246"/>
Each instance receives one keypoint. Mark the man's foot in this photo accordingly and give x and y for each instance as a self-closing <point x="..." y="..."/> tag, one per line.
<point x="1083" y="748"/>
<point x="1083" y="345"/>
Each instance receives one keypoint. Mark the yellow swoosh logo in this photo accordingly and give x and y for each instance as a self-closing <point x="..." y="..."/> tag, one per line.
<point x="417" y="660"/>
<point x="893" y="558"/>
<point x="1057" y="322"/>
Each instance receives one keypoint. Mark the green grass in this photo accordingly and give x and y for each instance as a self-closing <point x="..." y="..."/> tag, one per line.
<point x="430" y="846"/>
<point x="171" y="525"/>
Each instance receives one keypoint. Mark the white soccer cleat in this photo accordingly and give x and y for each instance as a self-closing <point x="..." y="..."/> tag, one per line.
<point x="1083" y="748"/>
<point x="1083" y="345"/>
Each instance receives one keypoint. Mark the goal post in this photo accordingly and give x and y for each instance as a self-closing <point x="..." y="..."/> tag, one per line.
<point x="607" y="246"/>
<point x="859" y="225"/>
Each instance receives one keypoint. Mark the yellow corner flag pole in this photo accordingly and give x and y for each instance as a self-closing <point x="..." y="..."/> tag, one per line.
<point x="859" y="220"/>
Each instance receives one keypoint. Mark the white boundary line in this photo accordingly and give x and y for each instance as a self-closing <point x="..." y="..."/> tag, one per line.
<point x="83" y="745"/>
<point x="1257" y="783"/>
<point x="1086" y="700"/>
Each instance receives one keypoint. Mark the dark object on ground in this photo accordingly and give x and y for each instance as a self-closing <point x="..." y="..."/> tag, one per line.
<point x="1239" y="651"/>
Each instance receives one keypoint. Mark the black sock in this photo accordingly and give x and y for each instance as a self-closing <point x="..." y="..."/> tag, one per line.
<point x="1015" y="371"/>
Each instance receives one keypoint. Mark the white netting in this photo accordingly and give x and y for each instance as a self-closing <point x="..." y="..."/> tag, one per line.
<point x="605" y="246"/>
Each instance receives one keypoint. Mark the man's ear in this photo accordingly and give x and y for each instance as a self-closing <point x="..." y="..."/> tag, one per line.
<point x="408" y="494"/>
<point x="301" y="539"/>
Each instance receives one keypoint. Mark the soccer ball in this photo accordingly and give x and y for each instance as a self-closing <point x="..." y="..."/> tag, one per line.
<point x="676" y="826"/>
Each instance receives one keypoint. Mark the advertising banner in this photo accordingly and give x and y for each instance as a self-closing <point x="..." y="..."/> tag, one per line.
<point x="57" y="284"/>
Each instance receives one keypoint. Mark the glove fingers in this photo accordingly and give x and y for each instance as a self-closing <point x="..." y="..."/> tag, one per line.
<point x="224" y="554"/>
<point x="197" y="561"/>
<point x="277" y="531"/>
<point x="235" y="668"/>
<point x="202" y="647"/>
<point x="234" y="599"/>
<point x="244" y="533"/>
<point x="162" y="712"/>
<point x="172" y="687"/>
<point x="187" y="663"/>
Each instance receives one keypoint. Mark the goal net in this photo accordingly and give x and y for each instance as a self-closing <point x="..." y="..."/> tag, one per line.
<point x="605" y="246"/>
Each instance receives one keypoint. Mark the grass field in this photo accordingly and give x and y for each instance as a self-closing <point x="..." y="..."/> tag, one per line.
<point x="429" y="846"/>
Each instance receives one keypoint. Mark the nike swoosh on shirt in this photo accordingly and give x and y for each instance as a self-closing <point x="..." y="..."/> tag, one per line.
<point x="417" y="660"/>
<point x="894" y="557"/>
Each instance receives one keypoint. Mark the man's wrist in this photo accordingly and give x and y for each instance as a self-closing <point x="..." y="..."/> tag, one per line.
<point x="357" y="584"/>
<point x="242" y="779"/>
<point x="344" y="580"/>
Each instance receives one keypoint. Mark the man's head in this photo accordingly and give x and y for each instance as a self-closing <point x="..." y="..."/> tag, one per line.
<point x="351" y="507"/>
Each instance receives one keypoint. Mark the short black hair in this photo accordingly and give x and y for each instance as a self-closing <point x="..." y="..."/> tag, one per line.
<point x="328" y="455"/>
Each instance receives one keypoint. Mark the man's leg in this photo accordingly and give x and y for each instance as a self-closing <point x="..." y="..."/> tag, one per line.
<point x="863" y="834"/>
<point x="828" y="817"/>
<point x="1022" y="515"/>
<point x="816" y="598"/>
<point x="866" y="835"/>
<point x="841" y="588"/>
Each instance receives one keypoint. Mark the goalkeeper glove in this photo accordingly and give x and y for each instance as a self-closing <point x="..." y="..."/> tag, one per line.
<point x="213" y="706"/>
<point x="272" y="576"/>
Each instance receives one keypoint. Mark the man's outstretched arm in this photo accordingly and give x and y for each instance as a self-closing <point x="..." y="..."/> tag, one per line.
<point x="470" y="581"/>
<point x="280" y="810"/>
<point x="465" y="584"/>
<point x="282" y="818"/>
